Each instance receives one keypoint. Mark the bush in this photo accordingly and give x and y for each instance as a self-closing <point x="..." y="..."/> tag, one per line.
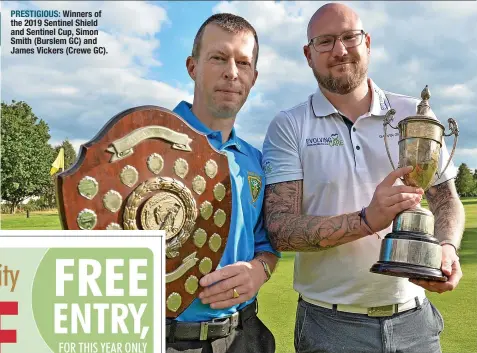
<point x="5" y="207"/>
<point x="32" y="206"/>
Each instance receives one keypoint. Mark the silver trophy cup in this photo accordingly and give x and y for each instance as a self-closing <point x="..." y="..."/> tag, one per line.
<point x="411" y="250"/>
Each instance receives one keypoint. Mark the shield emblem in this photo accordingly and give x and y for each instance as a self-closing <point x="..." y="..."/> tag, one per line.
<point x="148" y="169"/>
<point x="255" y="185"/>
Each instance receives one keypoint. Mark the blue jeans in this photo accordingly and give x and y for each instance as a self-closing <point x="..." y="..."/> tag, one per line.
<point x="324" y="330"/>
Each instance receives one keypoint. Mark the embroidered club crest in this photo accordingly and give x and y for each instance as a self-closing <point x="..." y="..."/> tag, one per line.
<point x="255" y="185"/>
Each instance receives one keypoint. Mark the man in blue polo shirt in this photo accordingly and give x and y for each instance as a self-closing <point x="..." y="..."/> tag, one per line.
<point x="223" y="67"/>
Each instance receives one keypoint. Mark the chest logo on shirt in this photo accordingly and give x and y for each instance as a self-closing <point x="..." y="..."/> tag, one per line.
<point x="255" y="185"/>
<point x="396" y="134"/>
<point x="333" y="140"/>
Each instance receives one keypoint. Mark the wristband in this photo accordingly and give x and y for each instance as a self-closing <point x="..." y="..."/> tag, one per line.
<point x="362" y="216"/>
<point x="448" y="242"/>
<point x="266" y="268"/>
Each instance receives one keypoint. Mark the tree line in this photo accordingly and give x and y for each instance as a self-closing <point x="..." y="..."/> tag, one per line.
<point x="26" y="159"/>
<point x="466" y="181"/>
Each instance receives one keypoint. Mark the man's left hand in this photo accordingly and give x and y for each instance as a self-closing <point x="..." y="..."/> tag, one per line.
<point x="245" y="277"/>
<point x="450" y="268"/>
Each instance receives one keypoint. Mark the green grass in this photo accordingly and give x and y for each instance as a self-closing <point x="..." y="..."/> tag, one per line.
<point x="459" y="308"/>
<point x="37" y="221"/>
<point x="278" y="299"/>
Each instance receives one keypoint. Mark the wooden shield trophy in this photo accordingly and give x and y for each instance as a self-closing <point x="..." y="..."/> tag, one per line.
<point x="148" y="169"/>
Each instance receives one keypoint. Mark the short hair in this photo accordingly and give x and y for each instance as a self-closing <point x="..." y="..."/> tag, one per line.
<point x="229" y="22"/>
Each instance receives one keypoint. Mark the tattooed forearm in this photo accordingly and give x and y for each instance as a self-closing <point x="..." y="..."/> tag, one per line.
<point x="289" y="230"/>
<point x="448" y="211"/>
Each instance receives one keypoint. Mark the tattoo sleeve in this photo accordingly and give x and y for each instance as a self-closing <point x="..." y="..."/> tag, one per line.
<point x="290" y="230"/>
<point x="449" y="216"/>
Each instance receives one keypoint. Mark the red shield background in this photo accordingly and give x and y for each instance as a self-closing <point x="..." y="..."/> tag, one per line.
<point x="96" y="161"/>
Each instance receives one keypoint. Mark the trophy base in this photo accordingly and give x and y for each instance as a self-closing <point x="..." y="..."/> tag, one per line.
<point x="408" y="271"/>
<point x="412" y="255"/>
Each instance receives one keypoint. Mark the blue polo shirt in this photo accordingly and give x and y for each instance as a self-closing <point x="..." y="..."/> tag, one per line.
<point x="247" y="234"/>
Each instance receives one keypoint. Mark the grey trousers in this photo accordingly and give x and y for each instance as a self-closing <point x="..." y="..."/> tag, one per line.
<point x="323" y="330"/>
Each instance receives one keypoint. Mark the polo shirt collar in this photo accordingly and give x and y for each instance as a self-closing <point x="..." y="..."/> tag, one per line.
<point x="322" y="106"/>
<point x="184" y="109"/>
<point x="379" y="101"/>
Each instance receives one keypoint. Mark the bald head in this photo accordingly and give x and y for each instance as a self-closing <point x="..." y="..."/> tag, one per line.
<point x="341" y="68"/>
<point x="331" y="13"/>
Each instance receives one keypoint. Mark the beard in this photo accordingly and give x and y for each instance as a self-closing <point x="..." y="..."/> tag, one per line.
<point x="343" y="85"/>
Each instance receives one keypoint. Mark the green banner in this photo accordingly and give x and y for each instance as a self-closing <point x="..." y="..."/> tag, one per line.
<point x="77" y="300"/>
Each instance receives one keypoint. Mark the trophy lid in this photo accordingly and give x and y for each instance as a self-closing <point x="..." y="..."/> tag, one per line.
<point x="423" y="108"/>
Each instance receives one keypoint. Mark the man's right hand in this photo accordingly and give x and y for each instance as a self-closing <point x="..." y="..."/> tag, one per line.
<point x="388" y="200"/>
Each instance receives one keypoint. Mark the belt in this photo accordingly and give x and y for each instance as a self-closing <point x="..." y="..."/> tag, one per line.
<point x="376" y="311"/>
<point x="216" y="328"/>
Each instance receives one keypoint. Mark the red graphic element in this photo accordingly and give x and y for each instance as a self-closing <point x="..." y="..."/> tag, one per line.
<point x="8" y="336"/>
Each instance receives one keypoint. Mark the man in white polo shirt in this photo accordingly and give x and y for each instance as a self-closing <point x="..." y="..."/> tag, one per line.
<point x="325" y="160"/>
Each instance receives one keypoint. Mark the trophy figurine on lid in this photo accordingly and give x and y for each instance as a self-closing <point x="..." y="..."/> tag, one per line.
<point x="411" y="250"/>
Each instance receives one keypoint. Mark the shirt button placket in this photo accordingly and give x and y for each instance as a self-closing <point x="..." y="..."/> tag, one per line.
<point x="358" y="155"/>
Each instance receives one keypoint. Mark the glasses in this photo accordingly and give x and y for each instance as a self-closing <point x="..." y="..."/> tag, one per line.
<point x="327" y="42"/>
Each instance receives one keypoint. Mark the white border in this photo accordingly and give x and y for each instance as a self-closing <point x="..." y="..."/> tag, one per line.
<point x="152" y="239"/>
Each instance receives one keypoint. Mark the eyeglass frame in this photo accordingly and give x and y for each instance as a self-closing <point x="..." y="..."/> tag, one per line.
<point x="335" y="37"/>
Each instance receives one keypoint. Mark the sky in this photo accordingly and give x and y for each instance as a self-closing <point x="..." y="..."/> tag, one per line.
<point x="413" y="44"/>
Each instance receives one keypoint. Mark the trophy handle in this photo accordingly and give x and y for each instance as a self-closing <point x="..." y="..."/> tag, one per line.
<point x="387" y="121"/>
<point x="454" y="130"/>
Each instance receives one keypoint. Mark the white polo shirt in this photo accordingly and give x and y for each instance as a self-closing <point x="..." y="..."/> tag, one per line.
<point x="340" y="168"/>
